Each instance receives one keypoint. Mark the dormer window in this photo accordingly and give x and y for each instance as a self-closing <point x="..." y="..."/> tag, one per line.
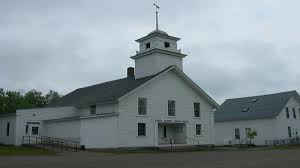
<point x="167" y="44"/>
<point x="148" y="45"/>
<point x="246" y="109"/>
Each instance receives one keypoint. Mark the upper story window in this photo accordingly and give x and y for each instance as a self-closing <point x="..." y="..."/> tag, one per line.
<point x="148" y="45"/>
<point x="287" y="112"/>
<point x="167" y="44"/>
<point x="294" y="113"/>
<point x="197" y="109"/>
<point x="7" y="129"/>
<point x="198" y="129"/>
<point x="171" y="107"/>
<point x="142" y="106"/>
<point x="141" y="129"/>
<point x="93" y="109"/>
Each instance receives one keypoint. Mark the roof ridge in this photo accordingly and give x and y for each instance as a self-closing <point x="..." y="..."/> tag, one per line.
<point x="114" y="81"/>
<point x="272" y="94"/>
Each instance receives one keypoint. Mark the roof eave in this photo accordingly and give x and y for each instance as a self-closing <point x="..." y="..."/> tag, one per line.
<point x="142" y="54"/>
<point x="245" y="119"/>
<point x="158" y="35"/>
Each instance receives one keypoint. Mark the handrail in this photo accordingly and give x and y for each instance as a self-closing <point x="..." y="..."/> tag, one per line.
<point x="287" y="141"/>
<point x="45" y="142"/>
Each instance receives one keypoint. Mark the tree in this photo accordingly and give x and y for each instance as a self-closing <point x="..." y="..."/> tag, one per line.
<point x="251" y="135"/>
<point x="34" y="98"/>
<point x="52" y="96"/>
<point x="10" y="101"/>
<point x="2" y="100"/>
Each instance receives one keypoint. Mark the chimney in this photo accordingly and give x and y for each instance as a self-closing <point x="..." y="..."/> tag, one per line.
<point x="130" y="72"/>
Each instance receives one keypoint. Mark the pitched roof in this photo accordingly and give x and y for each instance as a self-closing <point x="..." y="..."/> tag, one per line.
<point x="157" y="33"/>
<point x="255" y="107"/>
<point x="110" y="92"/>
<point x="102" y="93"/>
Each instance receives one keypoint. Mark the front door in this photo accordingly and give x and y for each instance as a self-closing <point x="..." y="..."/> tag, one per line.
<point x="32" y="129"/>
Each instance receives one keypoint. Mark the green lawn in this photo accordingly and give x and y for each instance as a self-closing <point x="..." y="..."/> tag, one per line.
<point x="23" y="151"/>
<point x="216" y="149"/>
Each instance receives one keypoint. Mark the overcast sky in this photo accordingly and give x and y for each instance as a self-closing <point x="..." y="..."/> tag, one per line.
<point x="235" y="48"/>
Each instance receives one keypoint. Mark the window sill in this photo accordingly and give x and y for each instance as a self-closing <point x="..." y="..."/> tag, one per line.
<point x="144" y="136"/>
<point x="142" y="115"/>
<point x="196" y="117"/>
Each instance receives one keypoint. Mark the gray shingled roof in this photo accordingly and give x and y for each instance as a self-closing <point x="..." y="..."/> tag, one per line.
<point x="255" y="107"/>
<point x="102" y="93"/>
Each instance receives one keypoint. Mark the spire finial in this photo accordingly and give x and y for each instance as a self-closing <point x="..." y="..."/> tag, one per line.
<point x="157" y="9"/>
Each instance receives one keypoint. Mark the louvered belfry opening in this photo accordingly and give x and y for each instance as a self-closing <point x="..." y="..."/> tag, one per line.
<point x="130" y="72"/>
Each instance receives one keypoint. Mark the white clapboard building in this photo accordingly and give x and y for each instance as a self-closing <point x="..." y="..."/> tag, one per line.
<point x="155" y="104"/>
<point x="274" y="117"/>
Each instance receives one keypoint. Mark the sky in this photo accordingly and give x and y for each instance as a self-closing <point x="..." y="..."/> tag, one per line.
<point x="235" y="48"/>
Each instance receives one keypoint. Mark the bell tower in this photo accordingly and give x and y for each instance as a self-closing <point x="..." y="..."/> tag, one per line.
<point x="157" y="51"/>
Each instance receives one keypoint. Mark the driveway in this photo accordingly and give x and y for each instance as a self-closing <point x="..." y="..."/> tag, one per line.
<point x="227" y="159"/>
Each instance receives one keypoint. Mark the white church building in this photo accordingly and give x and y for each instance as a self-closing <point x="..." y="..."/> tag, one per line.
<point x="155" y="104"/>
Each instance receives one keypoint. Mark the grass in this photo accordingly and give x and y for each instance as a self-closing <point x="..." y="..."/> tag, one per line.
<point x="285" y="147"/>
<point x="215" y="149"/>
<point x="23" y="151"/>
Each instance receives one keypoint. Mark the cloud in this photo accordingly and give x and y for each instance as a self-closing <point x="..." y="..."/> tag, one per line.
<point x="235" y="48"/>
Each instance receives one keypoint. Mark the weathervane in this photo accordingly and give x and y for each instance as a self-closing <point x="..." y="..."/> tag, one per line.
<point x="157" y="9"/>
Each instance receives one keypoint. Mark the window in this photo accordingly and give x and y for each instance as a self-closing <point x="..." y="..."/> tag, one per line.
<point x="287" y="112"/>
<point x="26" y="129"/>
<point x="198" y="129"/>
<point x="165" y="131"/>
<point x="148" y="45"/>
<point x="93" y="109"/>
<point x="171" y="108"/>
<point x="294" y="113"/>
<point x="289" y="132"/>
<point x="197" y="109"/>
<point x="246" y="109"/>
<point x="34" y="130"/>
<point x="247" y="131"/>
<point x="142" y="106"/>
<point x="167" y="44"/>
<point x="237" y="133"/>
<point x="7" y="129"/>
<point x="141" y="129"/>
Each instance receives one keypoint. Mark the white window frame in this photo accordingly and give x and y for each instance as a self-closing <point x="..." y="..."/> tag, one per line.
<point x="171" y="109"/>
<point x="195" y="109"/>
<point x="198" y="130"/>
<point x="146" y="106"/>
<point x="145" y="130"/>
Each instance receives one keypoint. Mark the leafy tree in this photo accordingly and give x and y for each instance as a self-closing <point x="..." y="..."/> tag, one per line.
<point x="251" y="135"/>
<point x="34" y="98"/>
<point x="52" y="96"/>
<point x="10" y="101"/>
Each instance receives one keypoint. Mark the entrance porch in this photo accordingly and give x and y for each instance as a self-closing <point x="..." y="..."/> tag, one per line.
<point x="171" y="133"/>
